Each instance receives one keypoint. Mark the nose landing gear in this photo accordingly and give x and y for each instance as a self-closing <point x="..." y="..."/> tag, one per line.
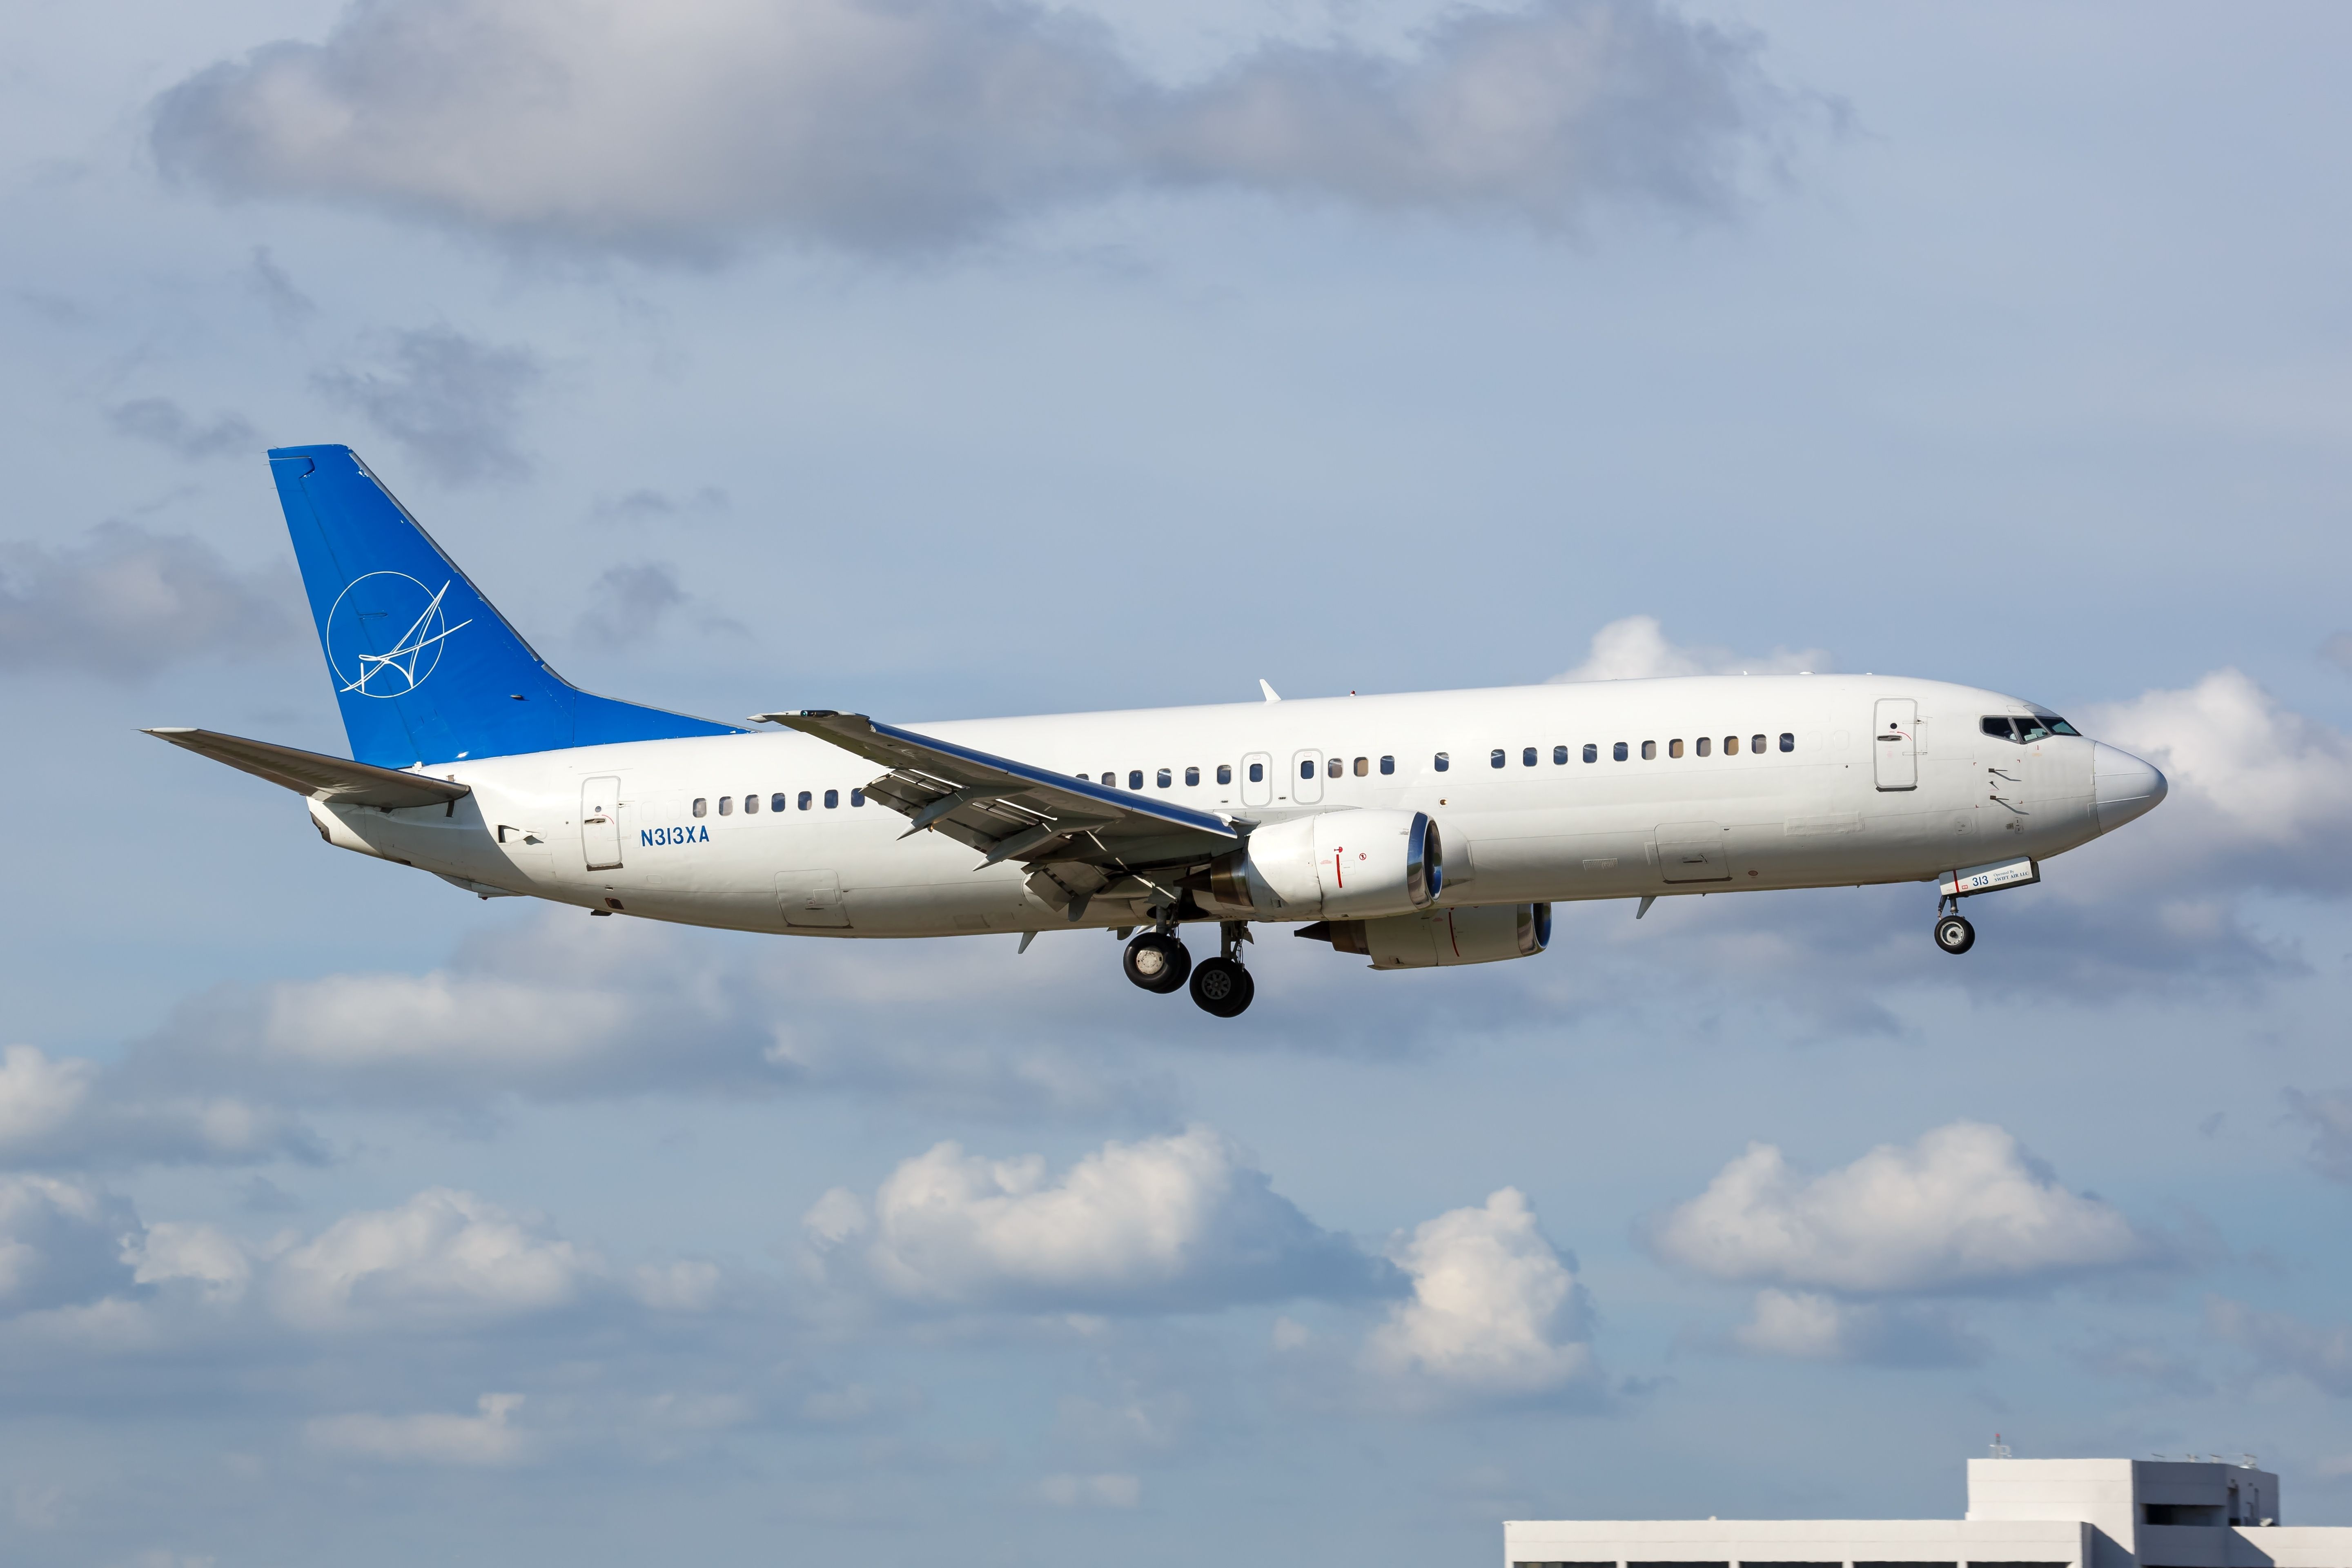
<point x="1220" y="986"/>
<point x="1953" y="934"/>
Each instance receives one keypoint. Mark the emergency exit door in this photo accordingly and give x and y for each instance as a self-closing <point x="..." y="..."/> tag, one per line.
<point x="600" y="823"/>
<point x="1895" y="743"/>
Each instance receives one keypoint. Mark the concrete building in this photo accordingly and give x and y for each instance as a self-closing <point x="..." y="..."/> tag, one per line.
<point x="2023" y="1513"/>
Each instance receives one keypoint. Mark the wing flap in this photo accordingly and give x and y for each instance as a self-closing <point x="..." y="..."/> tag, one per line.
<point x="1011" y="810"/>
<point x="321" y="777"/>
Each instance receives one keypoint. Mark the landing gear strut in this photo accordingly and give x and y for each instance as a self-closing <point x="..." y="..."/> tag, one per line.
<point x="1953" y="934"/>
<point x="1220" y="986"/>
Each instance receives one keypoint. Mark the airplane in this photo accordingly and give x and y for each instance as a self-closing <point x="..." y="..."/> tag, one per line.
<point x="1420" y="830"/>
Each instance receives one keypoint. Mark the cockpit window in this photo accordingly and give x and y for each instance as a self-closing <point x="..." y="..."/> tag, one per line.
<point x="2031" y="727"/>
<point x="1996" y="725"/>
<point x="2059" y="727"/>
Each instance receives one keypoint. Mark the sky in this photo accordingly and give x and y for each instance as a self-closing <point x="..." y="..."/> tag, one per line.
<point x="937" y="359"/>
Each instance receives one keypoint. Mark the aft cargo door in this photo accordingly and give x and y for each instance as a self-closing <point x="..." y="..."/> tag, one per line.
<point x="811" y="898"/>
<point x="1693" y="852"/>
<point x="1896" y="743"/>
<point x="600" y="823"/>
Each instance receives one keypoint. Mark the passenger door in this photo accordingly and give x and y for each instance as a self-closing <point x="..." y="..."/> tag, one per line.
<point x="1895" y="742"/>
<point x="1306" y="777"/>
<point x="600" y="823"/>
<point x="811" y="898"/>
<point x="1257" y="779"/>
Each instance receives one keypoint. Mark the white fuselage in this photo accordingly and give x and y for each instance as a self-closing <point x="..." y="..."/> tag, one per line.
<point x="1837" y="806"/>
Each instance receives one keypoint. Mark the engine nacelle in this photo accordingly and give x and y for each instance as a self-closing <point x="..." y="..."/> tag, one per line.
<point x="1339" y="863"/>
<point x="1482" y="933"/>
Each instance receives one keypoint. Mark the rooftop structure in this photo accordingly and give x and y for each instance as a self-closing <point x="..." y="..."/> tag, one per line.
<point x="2023" y="1513"/>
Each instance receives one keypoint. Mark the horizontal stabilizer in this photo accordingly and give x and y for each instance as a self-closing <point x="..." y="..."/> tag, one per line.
<point x="320" y="777"/>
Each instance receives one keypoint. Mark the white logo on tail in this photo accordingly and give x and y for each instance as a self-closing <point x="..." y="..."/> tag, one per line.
<point x="397" y="613"/>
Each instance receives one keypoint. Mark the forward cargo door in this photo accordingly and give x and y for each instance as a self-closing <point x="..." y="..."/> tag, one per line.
<point x="1895" y="743"/>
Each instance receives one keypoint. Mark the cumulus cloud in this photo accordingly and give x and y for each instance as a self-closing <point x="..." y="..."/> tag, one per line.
<point x="1495" y="1310"/>
<point x="2282" y="1343"/>
<point x="689" y="128"/>
<point x="453" y="403"/>
<point x="60" y="1243"/>
<point x="2261" y="795"/>
<point x="1805" y="1325"/>
<point x="2329" y="1119"/>
<point x="429" y="1438"/>
<point x="1170" y="1223"/>
<point x="1635" y="648"/>
<point x="1963" y="1210"/>
<point x="442" y="1257"/>
<point x="125" y="602"/>
<point x="171" y="426"/>
<point x="69" y="1112"/>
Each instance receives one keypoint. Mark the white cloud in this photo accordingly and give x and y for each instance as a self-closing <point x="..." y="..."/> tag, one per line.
<point x="1111" y="1490"/>
<point x="443" y="1258"/>
<point x="2260" y="794"/>
<point x="125" y="602"/>
<point x="211" y="1260"/>
<point x="1495" y="1310"/>
<point x="1964" y="1209"/>
<point x="69" y="1112"/>
<point x="685" y="128"/>
<point x="430" y="1438"/>
<point x="60" y="1243"/>
<point x="2282" y="1343"/>
<point x="1806" y="1326"/>
<point x="1162" y="1223"/>
<point x="1635" y="648"/>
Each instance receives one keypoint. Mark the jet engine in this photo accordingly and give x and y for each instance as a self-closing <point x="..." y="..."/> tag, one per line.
<point x="1482" y="933"/>
<point x="1351" y="864"/>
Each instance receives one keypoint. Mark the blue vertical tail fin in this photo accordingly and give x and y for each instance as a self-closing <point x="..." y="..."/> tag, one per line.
<point x="426" y="669"/>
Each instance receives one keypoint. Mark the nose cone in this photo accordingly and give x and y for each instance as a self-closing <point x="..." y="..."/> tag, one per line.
<point x="2124" y="786"/>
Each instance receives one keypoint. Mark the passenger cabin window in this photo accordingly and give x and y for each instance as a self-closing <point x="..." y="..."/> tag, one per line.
<point x="1756" y="745"/>
<point x="832" y="799"/>
<point x="1558" y="756"/>
<point x="1731" y="745"/>
<point x="1334" y="768"/>
<point x="1527" y="757"/>
<point x="806" y="801"/>
<point x="751" y="804"/>
<point x="1495" y="758"/>
<point x="1164" y="779"/>
<point x="1135" y="778"/>
<point x="726" y="805"/>
<point x="1388" y="765"/>
<point x="1706" y="744"/>
<point x="1618" y="751"/>
<point x="777" y="801"/>
<point x="1442" y="763"/>
<point x="1306" y="768"/>
<point x="856" y="797"/>
<point x="1649" y="751"/>
<point x="1673" y="748"/>
<point x="701" y="807"/>
<point x="1191" y="777"/>
<point x="1592" y="752"/>
<point x="1110" y="779"/>
<point x="1257" y="772"/>
<point x="1224" y="772"/>
<point x="1788" y="742"/>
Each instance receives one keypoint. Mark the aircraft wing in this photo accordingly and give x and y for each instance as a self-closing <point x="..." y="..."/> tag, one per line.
<point x="314" y="773"/>
<point x="1078" y="837"/>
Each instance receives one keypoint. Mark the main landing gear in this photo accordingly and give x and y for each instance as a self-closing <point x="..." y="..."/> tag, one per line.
<point x="1953" y="934"/>
<point x="1158" y="962"/>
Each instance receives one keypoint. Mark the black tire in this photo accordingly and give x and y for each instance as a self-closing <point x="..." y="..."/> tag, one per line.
<point x="1955" y="935"/>
<point x="1222" y="988"/>
<point x="1158" y="964"/>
